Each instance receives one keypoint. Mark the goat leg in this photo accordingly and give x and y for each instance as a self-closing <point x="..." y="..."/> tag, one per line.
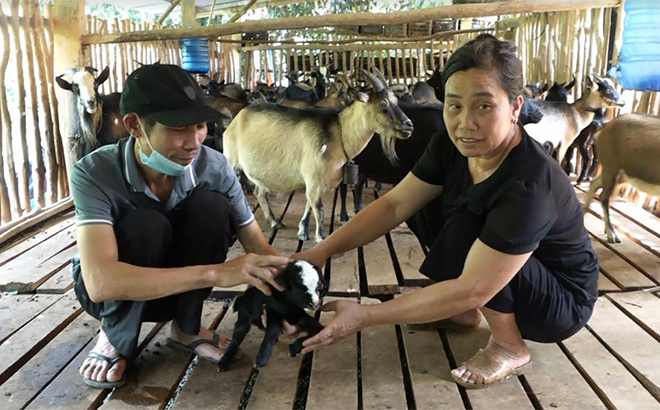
<point x="311" y="326"/>
<point x="586" y="158"/>
<point x="343" y="213"/>
<point x="608" y="187"/>
<point x="357" y="193"/>
<point x="273" y="329"/>
<point x="241" y="329"/>
<point x="303" y="225"/>
<point x="262" y="197"/>
<point x="319" y="215"/>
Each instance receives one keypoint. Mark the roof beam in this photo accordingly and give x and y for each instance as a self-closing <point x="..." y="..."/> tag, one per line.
<point x="349" y="19"/>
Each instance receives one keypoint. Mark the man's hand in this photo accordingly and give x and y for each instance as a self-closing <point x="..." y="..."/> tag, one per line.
<point x="350" y="317"/>
<point x="251" y="269"/>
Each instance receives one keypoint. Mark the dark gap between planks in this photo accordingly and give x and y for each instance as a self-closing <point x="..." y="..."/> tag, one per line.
<point x="646" y="383"/>
<point x="530" y="393"/>
<point x="452" y="365"/>
<point x="591" y="382"/>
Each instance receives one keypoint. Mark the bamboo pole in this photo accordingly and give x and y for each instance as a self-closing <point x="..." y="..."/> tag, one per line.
<point x="51" y="154"/>
<point x="412" y="66"/>
<point x="390" y="75"/>
<point x="167" y="11"/>
<point x="22" y="124"/>
<point x="432" y="62"/>
<point x="551" y="56"/>
<point x="7" y="204"/>
<point x="368" y="18"/>
<point x="62" y="178"/>
<point x="381" y="64"/>
<point x="396" y="65"/>
<point x="38" y="215"/>
<point x="98" y="59"/>
<point x="352" y="64"/>
<point x="39" y="168"/>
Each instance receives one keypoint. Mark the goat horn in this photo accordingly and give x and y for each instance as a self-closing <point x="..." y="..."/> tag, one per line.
<point x="380" y="75"/>
<point x="375" y="81"/>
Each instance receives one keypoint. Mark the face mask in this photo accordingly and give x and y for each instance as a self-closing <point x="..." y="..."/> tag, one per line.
<point x="157" y="161"/>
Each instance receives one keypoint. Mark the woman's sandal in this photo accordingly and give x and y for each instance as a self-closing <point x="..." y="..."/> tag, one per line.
<point x="111" y="361"/>
<point x="493" y="369"/>
<point x="190" y="347"/>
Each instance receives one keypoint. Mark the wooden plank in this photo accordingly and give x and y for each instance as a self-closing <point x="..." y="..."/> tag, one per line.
<point x="555" y="381"/>
<point x="17" y="249"/>
<point x="28" y="381"/>
<point x="276" y="383"/>
<point x="161" y="369"/>
<point x="618" y="270"/>
<point x="27" y="341"/>
<point x="639" y="216"/>
<point x="410" y="255"/>
<point x="60" y="283"/>
<point x="17" y="310"/>
<point x="643" y="260"/>
<point x="382" y="380"/>
<point x="381" y="278"/>
<point x="508" y="394"/>
<point x="28" y="272"/>
<point x="430" y="371"/>
<point x="333" y="381"/>
<point x="344" y="274"/>
<point x="613" y="383"/>
<point x="642" y="307"/>
<point x="69" y="391"/>
<point x="205" y="377"/>
<point x="606" y="285"/>
<point x="635" y="348"/>
<point x="622" y="225"/>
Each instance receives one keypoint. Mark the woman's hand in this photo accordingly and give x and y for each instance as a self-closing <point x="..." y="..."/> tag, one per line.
<point x="349" y="318"/>
<point x="252" y="269"/>
<point x="314" y="255"/>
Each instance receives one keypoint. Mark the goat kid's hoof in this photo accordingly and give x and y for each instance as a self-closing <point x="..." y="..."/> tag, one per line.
<point x="222" y="366"/>
<point x="295" y="348"/>
<point x="303" y="234"/>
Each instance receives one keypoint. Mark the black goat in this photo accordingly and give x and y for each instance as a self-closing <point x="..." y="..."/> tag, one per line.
<point x="304" y="288"/>
<point x="98" y="121"/>
<point x="559" y="91"/>
<point x="437" y="81"/>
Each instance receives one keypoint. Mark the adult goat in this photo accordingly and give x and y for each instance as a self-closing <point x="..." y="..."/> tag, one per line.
<point x="282" y="149"/>
<point x="629" y="148"/>
<point x="99" y="121"/>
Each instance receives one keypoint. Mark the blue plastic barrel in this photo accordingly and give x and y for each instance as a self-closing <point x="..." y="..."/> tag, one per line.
<point x="195" y="55"/>
<point x="639" y="58"/>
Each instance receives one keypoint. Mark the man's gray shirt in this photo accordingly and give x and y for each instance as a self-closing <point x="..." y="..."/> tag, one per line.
<point x="106" y="184"/>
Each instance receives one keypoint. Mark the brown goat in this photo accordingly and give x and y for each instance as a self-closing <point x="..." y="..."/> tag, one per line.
<point x="629" y="148"/>
<point x="282" y="149"/>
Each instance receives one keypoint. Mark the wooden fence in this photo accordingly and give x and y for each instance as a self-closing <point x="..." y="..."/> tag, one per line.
<point x="33" y="165"/>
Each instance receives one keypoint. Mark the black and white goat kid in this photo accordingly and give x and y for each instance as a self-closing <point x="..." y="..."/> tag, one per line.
<point x="304" y="289"/>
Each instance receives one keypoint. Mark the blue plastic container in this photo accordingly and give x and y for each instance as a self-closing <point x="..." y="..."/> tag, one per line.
<point x="639" y="58"/>
<point x="195" y="55"/>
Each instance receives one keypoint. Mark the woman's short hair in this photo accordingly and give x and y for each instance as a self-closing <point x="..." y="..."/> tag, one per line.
<point x="487" y="52"/>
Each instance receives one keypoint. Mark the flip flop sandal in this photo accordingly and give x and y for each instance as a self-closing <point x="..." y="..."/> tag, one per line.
<point x="190" y="347"/>
<point x="493" y="370"/>
<point x="111" y="361"/>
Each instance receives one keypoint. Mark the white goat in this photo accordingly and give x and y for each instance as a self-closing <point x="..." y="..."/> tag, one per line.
<point x="282" y="149"/>
<point x="629" y="148"/>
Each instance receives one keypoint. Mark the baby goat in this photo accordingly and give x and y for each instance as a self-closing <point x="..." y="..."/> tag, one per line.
<point x="304" y="288"/>
<point x="562" y="122"/>
<point x="629" y="148"/>
<point x="282" y="149"/>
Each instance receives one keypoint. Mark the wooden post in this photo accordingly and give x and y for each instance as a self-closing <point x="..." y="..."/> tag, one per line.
<point x="381" y="64"/>
<point x="432" y="62"/>
<point x="396" y="65"/>
<point x="412" y="67"/>
<point x="22" y="124"/>
<point x="68" y="25"/>
<point x="41" y="57"/>
<point x="8" y="199"/>
<point x="188" y="13"/>
<point x="296" y="54"/>
<point x="39" y="169"/>
<point x="63" y="186"/>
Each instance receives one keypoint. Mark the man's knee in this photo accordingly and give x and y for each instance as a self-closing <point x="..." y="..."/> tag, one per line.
<point x="143" y="237"/>
<point x="211" y="213"/>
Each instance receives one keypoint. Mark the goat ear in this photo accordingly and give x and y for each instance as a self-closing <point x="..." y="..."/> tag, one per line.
<point x="544" y="88"/>
<point x="64" y="84"/>
<point x="588" y="81"/>
<point x="103" y="76"/>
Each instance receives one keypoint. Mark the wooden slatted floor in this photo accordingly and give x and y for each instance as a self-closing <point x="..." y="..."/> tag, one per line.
<point x="613" y="363"/>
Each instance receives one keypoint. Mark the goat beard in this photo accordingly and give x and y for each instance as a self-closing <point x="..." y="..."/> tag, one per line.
<point x="388" y="144"/>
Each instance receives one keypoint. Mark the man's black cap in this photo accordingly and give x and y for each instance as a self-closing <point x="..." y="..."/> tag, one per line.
<point x="167" y="94"/>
